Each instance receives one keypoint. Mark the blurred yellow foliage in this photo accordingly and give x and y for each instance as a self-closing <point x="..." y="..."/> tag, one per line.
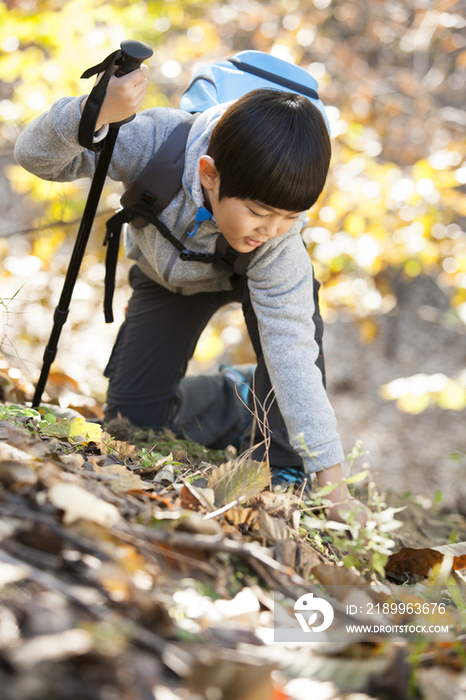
<point x="395" y="195"/>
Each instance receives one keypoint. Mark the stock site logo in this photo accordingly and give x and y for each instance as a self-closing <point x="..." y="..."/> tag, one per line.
<point x="307" y="603"/>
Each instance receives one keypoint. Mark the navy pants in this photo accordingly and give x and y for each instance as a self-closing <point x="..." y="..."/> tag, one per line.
<point x="149" y="360"/>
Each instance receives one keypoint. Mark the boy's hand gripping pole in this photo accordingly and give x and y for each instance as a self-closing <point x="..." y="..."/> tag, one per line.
<point x="128" y="58"/>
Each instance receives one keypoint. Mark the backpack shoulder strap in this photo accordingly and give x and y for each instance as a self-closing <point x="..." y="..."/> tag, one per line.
<point x="163" y="174"/>
<point x="238" y="262"/>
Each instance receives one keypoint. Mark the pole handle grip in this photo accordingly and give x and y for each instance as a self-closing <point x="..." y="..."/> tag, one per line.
<point x="133" y="53"/>
<point x="127" y="59"/>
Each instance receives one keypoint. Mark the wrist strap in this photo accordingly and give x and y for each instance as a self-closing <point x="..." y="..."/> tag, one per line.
<point x="94" y="102"/>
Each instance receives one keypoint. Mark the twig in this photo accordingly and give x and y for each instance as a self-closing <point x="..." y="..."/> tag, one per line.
<point x="301" y="491"/>
<point x="223" y="509"/>
<point x="53" y="224"/>
<point x="324" y="507"/>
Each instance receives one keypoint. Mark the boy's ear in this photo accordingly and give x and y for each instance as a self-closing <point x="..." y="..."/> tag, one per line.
<point x="208" y="172"/>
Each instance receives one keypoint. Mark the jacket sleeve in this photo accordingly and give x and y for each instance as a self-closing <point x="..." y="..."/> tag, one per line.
<point x="281" y="288"/>
<point x="49" y="148"/>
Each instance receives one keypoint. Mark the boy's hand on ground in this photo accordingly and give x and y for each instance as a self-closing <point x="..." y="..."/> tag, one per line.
<point x="123" y="98"/>
<point x="341" y="498"/>
<point x="361" y="512"/>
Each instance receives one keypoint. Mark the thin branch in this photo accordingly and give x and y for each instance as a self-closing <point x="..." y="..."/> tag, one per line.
<point x="54" y="224"/>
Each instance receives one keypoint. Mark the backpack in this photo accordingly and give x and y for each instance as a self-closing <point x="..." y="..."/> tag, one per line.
<point x="161" y="179"/>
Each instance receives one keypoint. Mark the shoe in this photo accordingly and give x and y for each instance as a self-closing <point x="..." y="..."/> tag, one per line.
<point x="287" y="476"/>
<point x="241" y="376"/>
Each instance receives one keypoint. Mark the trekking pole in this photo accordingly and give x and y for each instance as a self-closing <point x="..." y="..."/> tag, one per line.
<point x="128" y="58"/>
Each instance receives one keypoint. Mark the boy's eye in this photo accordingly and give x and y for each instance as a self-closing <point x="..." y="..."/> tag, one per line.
<point x="254" y="213"/>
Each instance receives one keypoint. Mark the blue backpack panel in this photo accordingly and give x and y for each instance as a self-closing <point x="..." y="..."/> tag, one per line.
<point x="229" y="80"/>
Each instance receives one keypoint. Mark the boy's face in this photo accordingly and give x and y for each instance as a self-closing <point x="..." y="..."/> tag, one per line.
<point x="246" y="224"/>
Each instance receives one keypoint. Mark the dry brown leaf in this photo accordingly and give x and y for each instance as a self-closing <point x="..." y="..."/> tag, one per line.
<point x="276" y="504"/>
<point x="12" y="455"/>
<point x="230" y="530"/>
<point x="285" y="552"/>
<point x="272" y="529"/>
<point x="194" y="522"/>
<point x="419" y="562"/>
<point x="16" y="466"/>
<point x="331" y="575"/>
<point x="187" y="498"/>
<point x="193" y="496"/>
<point x="17" y="474"/>
<point x="121" y="478"/>
<point x="74" y="460"/>
<point x="51" y="473"/>
<point x="23" y="440"/>
<point x="242" y="516"/>
<point x="123" y="449"/>
<point x="238" y="480"/>
<point x="306" y="560"/>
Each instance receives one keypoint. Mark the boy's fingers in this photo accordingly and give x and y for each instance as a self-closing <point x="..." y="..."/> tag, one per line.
<point x="136" y="76"/>
<point x="100" y="76"/>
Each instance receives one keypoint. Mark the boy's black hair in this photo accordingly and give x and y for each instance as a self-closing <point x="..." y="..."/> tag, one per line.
<point x="272" y="147"/>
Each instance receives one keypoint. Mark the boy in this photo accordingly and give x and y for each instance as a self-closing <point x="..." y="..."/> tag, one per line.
<point x="252" y="170"/>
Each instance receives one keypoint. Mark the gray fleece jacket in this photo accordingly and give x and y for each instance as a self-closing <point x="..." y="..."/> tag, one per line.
<point x="279" y="274"/>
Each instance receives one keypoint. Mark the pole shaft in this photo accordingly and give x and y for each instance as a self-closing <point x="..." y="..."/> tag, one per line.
<point x="61" y="312"/>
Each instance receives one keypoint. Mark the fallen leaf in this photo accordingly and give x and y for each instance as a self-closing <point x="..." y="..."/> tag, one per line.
<point x="306" y="560"/>
<point x="123" y="449"/>
<point x="10" y="573"/>
<point x="52" y="647"/>
<point x="121" y="478"/>
<point x="74" y="460"/>
<point x="285" y="552"/>
<point x="12" y="455"/>
<point x="330" y="575"/>
<point x="194" y="522"/>
<point x="76" y="430"/>
<point x="165" y="474"/>
<point x="164" y="460"/>
<point x="272" y="529"/>
<point x="242" y="516"/>
<point x="77" y="504"/>
<point x="419" y="562"/>
<point x="193" y="496"/>
<point x="238" y="480"/>
<point x="23" y="440"/>
<point x="276" y="504"/>
<point x="16" y="466"/>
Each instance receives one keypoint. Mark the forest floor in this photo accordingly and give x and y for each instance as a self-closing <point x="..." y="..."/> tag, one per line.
<point x="135" y="565"/>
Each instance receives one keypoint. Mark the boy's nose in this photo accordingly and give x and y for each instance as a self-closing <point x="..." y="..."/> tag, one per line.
<point x="268" y="229"/>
